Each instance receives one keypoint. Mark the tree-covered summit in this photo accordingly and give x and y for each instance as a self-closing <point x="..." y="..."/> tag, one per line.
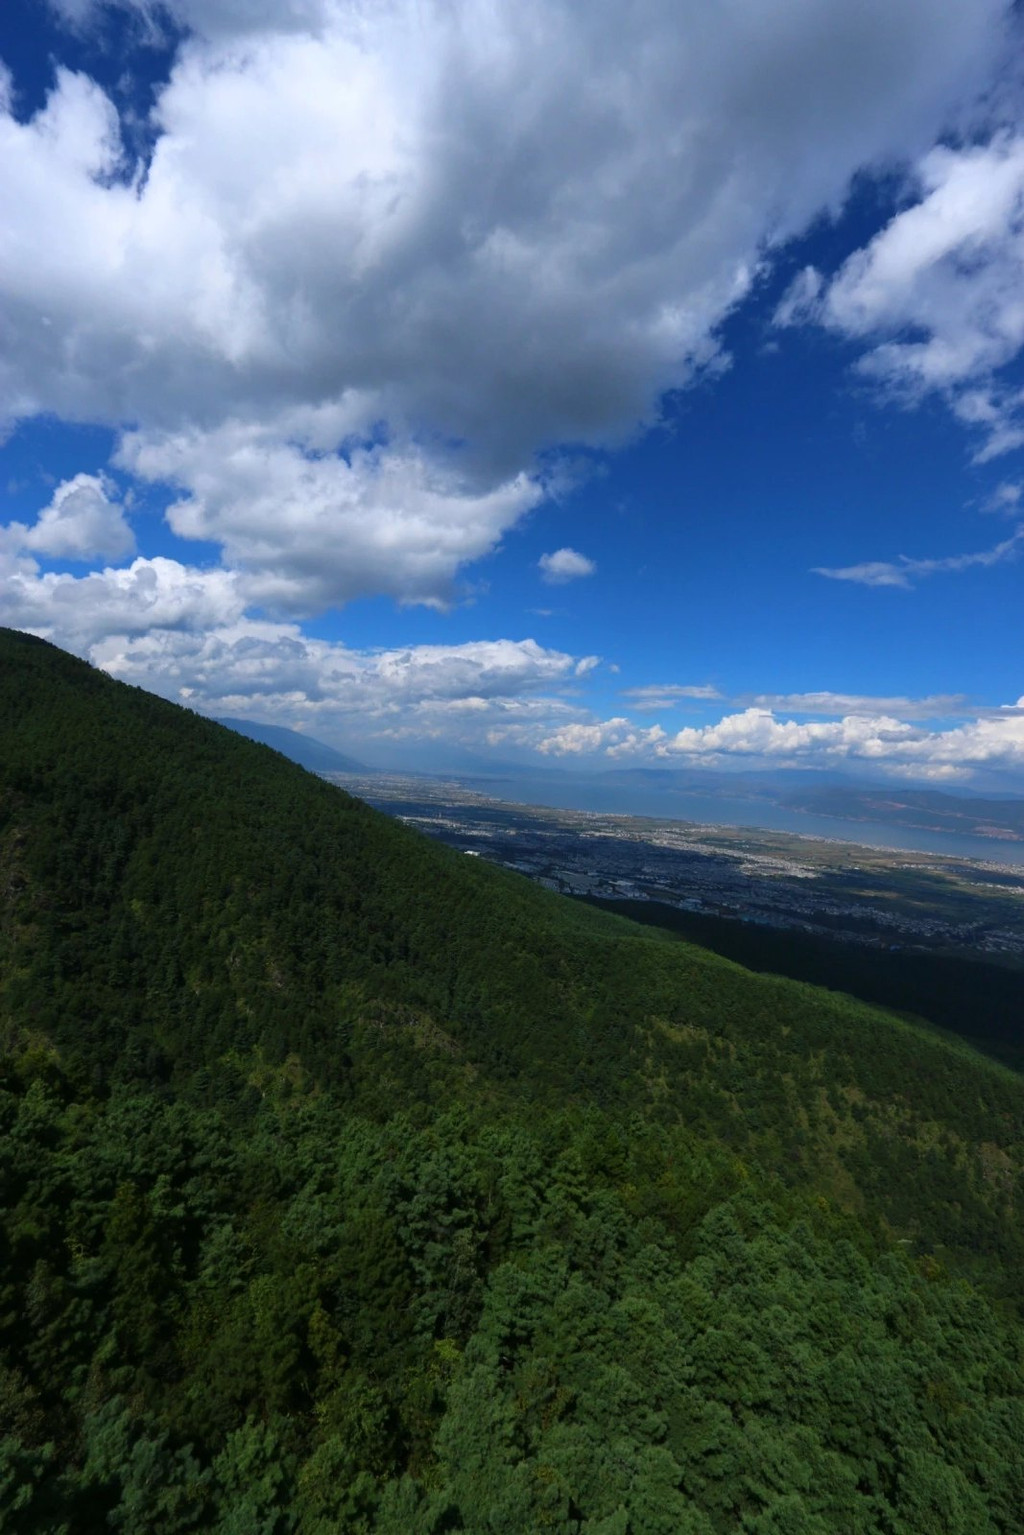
<point x="351" y="1184"/>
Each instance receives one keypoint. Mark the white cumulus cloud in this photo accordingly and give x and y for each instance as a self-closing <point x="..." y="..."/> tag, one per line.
<point x="578" y="737"/>
<point x="879" y="740"/>
<point x="758" y="732"/>
<point x="389" y="254"/>
<point x="936" y="295"/>
<point x="84" y="521"/>
<point x="565" y="565"/>
<point x="307" y="529"/>
<point x="901" y="741"/>
<point x="273" y="671"/>
<point x="383" y="259"/>
<point x="79" y="611"/>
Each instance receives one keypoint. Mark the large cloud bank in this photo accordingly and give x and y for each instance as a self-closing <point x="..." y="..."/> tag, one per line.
<point x="389" y="230"/>
<point x="383" y="259"/>
<point x="870" y="740"/>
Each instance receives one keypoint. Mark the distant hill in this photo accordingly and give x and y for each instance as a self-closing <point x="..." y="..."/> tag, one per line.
<point x="307" y="752"/>
<point x="925" y="809"/>
<point x="843" y="797"/>
<point x="351" y="1184"/>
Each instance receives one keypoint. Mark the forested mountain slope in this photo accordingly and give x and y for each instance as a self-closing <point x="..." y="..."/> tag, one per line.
<point x="350" y="1184"/>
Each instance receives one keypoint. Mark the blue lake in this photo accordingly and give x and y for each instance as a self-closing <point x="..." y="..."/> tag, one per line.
<point x="714" y="809"/>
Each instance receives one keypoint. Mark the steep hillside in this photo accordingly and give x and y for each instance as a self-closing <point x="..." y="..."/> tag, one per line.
<point x="351" y="1184"/>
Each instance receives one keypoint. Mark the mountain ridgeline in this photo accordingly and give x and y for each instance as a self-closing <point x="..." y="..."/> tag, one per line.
<point x="309" y="753"/>
<point x="350" y="1184"/>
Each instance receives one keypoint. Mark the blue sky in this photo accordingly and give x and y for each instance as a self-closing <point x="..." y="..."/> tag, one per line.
<point x="544" y="383"/>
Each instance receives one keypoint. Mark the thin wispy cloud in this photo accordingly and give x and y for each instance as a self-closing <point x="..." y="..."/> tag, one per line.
<point x="654" y="696"/>
<point x="1005" y="500"/>
<point x="905" y="572"/>
<point x="834" y="705"/>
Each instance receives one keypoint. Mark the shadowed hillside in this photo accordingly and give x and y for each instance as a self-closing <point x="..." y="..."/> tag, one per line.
<point x="351" y="1184"/>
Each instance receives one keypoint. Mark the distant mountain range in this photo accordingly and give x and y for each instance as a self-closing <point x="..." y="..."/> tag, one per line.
<point x="923" y="809"/>
<point x="844" y="798"/>
<point x="828" y="794"/>
<point x="307" y="752"/>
